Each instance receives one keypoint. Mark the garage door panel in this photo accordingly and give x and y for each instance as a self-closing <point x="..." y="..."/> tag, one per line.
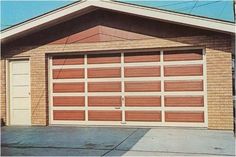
<point x="107" y="115"/>
<point x="151" y="86"/>
<point x="68" y="60"/>
<point x="104" y="72"/>
<point x="104" y="58"/>
<point x="182" y="55"/>
<point x="184" y="116"/>
<point x="142" y="101"/>
<point x="184" y="101"/>
<point x="68" y="73"/>
<point x="150" y="71"/>
<point x="104" y="86"/>
<point x="142" y="57"/>
<point x="104" y="101"/>
<point x="68" y="115"/>
<point x="183" y="70"/>
<point x="138" y="88"/>
<point x="68" y="101"/>
<point x="68" y="87"/>
<point x="183" y="86"/>
<point x="148" y="116"/>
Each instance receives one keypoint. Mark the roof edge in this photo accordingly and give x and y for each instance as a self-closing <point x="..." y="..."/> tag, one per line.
<point x="153" y="13"/>
<point x="192" y="20"/>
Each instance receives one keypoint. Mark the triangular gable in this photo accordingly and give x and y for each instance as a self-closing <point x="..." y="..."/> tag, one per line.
<point x="98" y="34"/>
<point x="82" y="7"/>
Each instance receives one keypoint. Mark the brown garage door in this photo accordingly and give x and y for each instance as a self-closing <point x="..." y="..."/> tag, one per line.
<point x="161" y="88"/>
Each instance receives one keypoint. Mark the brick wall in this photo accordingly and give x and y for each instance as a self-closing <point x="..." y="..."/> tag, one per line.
<point x="219" y="78"/>
<point x="3" y="91"/>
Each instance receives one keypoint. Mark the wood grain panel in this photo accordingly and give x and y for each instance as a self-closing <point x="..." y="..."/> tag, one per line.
<point x="95" y="115"/>
<point x="68" y="87"/>
<point x="85" y="34"/>
<point x="142" y="101"/>
<point x="150" y="86"/>
<point x="68" y="115"/>
<point x="184" y="116"/>
<point x="182" y="55"/>
<point x="183" y="85"/>
<point x="68" y="73"/>
<point x="68" y="60"/>
<point x="150" y="71"/>
<point x="183" y="70"/>
<point x="142" y="57"/>
<point x="121" y="34"/>
<point x="68" y="101"/>
<point x="148" y="116"/>
<point x="104" y="58"/>
<point x="104" y="86"/>
<point x="104" y="101"/>
<point x="184" y="101"/>
<point x="104" y="72"/>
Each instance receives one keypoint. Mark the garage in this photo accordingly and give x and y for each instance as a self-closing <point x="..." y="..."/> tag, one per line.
<point x="113" y="64"/>
<point x="140" y="88"/>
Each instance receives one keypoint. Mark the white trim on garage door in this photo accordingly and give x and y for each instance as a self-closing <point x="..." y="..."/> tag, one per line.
<point x="123" y="93"/>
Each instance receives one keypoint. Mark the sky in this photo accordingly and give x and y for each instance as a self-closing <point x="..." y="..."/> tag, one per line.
<point x="13" y="12"/>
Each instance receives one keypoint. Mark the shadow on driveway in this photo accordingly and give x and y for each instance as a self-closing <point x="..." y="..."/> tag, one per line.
<point x="115" y="141"/>
<point x="66" y="141"/>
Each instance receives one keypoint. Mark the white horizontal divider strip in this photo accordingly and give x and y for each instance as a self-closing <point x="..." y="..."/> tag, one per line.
<point x="190" y="93"/>
<point x="128" y="123"/>
<point x="182" y="62"/>
<point x="182" y="78"/>
<point x="68" y="67"/>
<point x="158" y="108"/>
<point x="184" y="108"/>
<point x="141" y="79"/>
<point x="139" y="64"/>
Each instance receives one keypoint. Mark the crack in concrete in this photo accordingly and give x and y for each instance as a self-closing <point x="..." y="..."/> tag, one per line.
<point x="120" y="142"/>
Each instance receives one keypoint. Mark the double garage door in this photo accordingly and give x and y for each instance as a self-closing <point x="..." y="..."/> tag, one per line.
<point x="158" y="88"/>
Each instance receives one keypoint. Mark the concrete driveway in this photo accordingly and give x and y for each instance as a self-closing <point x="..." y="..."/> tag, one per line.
<point x="101" y="141"/>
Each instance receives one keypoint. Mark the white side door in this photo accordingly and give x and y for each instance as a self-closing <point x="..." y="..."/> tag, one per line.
<point x="20" y="108"/>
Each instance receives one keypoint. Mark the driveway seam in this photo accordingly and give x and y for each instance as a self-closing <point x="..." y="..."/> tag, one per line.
<point x="176" y="152"/>
<point x="25" y="147"/>
<point x="120" y="142"/>
<point x="109" y="150"/>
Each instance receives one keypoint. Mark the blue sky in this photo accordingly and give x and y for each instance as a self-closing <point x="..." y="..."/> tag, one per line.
<point x="13" y="12"/>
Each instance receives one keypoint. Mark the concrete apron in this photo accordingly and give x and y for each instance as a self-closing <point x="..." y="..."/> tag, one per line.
<point x="100" y="141"/>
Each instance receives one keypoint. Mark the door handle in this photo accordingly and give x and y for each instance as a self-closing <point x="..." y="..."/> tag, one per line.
<point x="117" y="108"/>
